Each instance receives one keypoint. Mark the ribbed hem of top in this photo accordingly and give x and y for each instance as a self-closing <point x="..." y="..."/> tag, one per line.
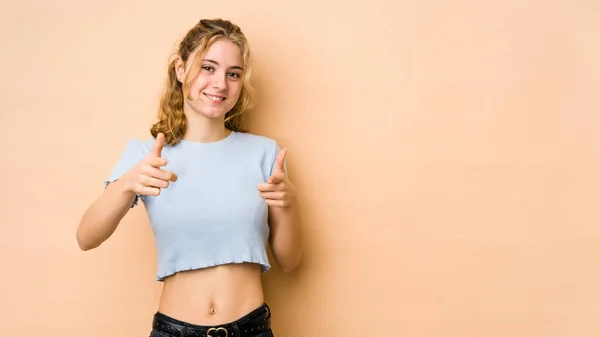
<point x="265" y="266"/>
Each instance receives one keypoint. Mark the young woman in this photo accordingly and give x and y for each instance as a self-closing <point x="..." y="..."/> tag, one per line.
<point x="216" y="195"/>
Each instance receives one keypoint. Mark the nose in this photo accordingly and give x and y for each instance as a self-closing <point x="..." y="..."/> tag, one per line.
<point x="219" y="82"/>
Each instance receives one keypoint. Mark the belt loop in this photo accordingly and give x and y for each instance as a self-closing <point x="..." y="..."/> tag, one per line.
<point x="236" y="331"/>
<point x="183" y="331"/>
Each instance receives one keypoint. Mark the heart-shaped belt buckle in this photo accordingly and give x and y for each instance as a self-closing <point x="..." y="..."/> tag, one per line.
<point x="208" y="333"/>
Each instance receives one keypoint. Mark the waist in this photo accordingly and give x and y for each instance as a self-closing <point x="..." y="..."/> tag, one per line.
<point x="214" y="295"/>
<point x="252" y="323"/>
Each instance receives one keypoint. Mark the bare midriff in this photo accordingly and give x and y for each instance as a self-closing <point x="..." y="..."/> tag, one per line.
<point x="214" y="295"/>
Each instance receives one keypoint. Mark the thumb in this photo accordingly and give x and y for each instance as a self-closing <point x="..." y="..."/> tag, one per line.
<point x="280" y="161"/>
<point x="158" y="145"/>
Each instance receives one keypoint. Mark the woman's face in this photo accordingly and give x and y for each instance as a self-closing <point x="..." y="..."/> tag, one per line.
<point x="216" y="88"/>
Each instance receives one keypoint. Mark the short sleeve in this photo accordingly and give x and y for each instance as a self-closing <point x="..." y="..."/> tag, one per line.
<point x="132" y="154"/>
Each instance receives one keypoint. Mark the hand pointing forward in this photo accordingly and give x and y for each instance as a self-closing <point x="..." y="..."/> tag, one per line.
<point x="147" y="177"/>
<point x="278" y="191"/>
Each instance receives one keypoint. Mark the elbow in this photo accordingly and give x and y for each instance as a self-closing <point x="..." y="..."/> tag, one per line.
<point x="85" y="247"/>
<point x="83" y="244"/>
<point x="291" y="265"/>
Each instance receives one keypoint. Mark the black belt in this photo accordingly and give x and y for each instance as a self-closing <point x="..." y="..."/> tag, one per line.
<point x="257" y="321"/>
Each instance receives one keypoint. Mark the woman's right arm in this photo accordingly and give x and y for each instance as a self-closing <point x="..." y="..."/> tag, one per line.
<point x="103" y="216"/>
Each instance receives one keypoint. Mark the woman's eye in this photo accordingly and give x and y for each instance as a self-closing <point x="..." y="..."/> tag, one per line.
<point x="208" y="68"/>
<point x="236" y="75"/>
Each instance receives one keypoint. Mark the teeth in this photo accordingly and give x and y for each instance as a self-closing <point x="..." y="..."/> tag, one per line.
<point x="214" y="98"/>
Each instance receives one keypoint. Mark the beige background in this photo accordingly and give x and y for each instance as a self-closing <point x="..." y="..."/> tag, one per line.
<point x="446" y="154"/>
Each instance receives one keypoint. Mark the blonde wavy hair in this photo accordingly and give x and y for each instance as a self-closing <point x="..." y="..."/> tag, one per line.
<point x="171" y="119"/>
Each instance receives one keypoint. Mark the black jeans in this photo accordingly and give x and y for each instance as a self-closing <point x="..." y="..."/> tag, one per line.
<point x="255" y="324"/>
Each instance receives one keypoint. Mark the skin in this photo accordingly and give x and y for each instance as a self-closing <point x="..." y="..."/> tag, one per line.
<point x="218" y="294"/>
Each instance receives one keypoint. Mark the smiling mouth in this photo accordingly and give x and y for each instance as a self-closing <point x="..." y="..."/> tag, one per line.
<point x="215" y="98"/>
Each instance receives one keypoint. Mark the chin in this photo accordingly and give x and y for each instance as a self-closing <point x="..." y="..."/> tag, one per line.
<point x="214" y="113"/>
<point x="210" y="112"/>
<point x="214" y="116"/>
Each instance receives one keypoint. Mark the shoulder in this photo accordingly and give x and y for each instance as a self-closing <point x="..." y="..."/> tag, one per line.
<point x="254" y="142"/>
<point x="139" y="146"/>
<point x="131" y="153"/>
<point x="264" y="147"/>
<point x="136" y="148"/>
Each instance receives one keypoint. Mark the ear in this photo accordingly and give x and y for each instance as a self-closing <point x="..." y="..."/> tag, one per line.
<point x="180" y="69"/>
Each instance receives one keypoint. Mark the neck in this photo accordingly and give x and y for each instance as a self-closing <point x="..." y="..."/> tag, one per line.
<point x="201" y="129"/>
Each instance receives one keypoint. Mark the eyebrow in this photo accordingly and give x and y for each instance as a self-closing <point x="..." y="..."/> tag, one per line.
<point x="217" y="63"/>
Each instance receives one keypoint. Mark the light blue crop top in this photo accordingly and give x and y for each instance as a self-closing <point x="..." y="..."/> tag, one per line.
<point x="213" y="214"/>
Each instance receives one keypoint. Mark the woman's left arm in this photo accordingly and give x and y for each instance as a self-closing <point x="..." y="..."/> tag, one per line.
<point x="284" y="216"/>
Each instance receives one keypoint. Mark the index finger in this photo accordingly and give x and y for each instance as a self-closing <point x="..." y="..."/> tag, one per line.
<point x="159" y="143"/>
<point x="266" y="187"/>
<point x="280" y="160"/>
